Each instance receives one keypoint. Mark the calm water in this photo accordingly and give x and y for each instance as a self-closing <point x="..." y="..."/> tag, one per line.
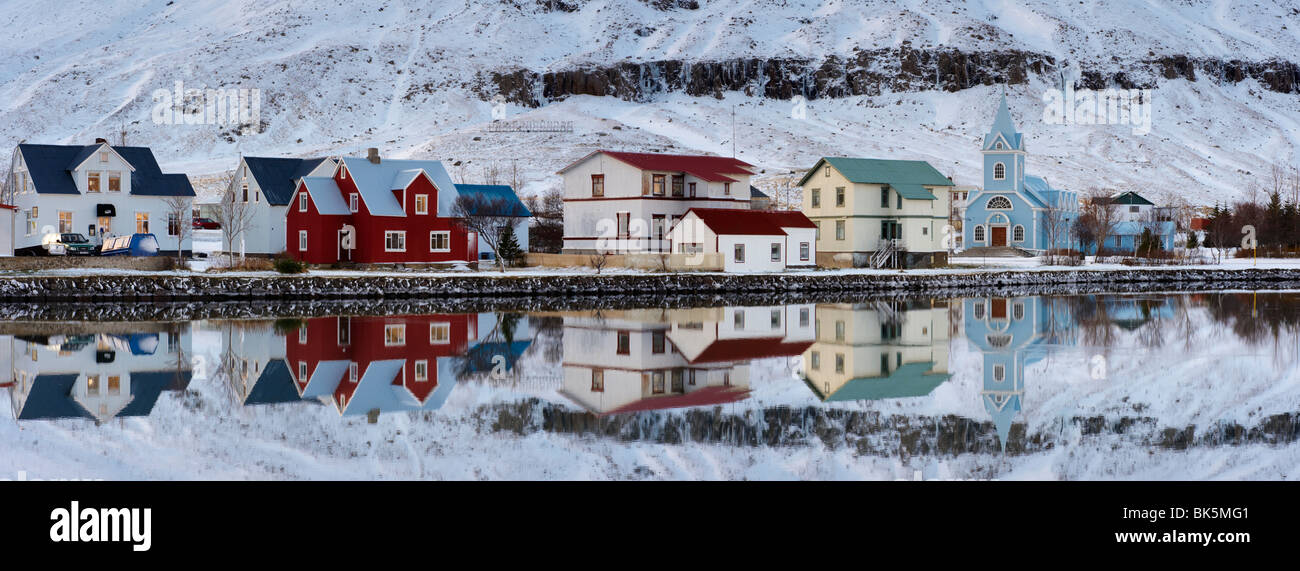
<point x="1072" y="387"/>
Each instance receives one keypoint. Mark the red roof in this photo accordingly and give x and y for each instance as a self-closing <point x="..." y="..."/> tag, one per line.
<point x="713" y="395"/>
<point x="724" y="350"/>
<point x="731" y="221"/>
<point x="710" y="168"/>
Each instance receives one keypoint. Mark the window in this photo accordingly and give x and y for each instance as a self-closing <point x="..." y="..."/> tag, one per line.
<point x="803" y="317"/>
<point x="804" y="251"/>
<point x="657" y="342"/>
<point x="826" y="171"/>
<point x="624" y="222"/>
<point x="394" y="335"/>
<point x="353" y="372"/>
<point x="65" y="221"/>
<point x="173" y="224"/>
<point x="302" y="201"/>
<point x="1018" y="233"/>
<point x="421" y="204"/>
<point x="103" y="156"/>
<point x="597" y="381"/>
<point x="925" y="230"/>
<point x="776" y="319"/>
<point x="738" y="319"/>
<point x="302" y="371"/>
<point x="998" y="203"/>
<point x="998" y="146"/>
<point x="92" y="182"/>
<point x="439" y="241"/>
<point x="839" y="229"/>
<point x="141" y="222"/>
<point x="657" y="382"/>
<point x="691" y="187"/>
<point x="839" y="362"/>
<point x="244" y="192"/>
<point x="302" y="335"/>
<point x="679" y="386"/>
<point x="999" y="373"/>
<point x="839" y="196"/>
<point x="1018" y="311"/>
<point x="421" y="371"/>
<point x="900" y="201"/>
<point x="302" y="240"/>
<point x="115" y="181"/>
<point x="815" y="361"/>
<point x="624" y="343"/>
<point x="739" y="256"/>
<point x="115" y="385"/>
<point x="344" y="327"/>
<point x="657" y="184"/>
<point x="394" y="241"/>
<point x="678" y="182"/>
<point x="1133" y="209"/>
<point x="726" y="188"/>
<point x="884" y="197"/>
<point x="839" y="330"/>
<point x="979" y="310"/>
<point x="439" y="333"/>
<point x="816" y="198"/>
<point x="999" y="171"/>
<point x="979" y="233"/>
<point x="776" y="251"/>
<point x="354" y="204"/>
<point x="31" y="221"/>
<point x="598" y="185"/>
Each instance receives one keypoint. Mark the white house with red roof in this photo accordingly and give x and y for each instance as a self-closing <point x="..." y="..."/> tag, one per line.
<point x="618" y="202"/>
<point x="748" y="240"/>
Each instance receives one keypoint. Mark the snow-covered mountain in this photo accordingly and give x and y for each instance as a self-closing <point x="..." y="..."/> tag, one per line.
<point x="914" y="79"/>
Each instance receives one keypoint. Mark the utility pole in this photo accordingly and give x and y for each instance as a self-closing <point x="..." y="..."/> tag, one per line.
<point x="733" y="130"/>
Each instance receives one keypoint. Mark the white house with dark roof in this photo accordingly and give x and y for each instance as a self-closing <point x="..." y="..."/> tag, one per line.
<point x="97" y="190"/>
<point x="619" y="202"/>
<point x="268" y="184"/>
<point x="746" y="240"/>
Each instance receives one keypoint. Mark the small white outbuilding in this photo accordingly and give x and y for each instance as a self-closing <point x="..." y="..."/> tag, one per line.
<point x="748" y="240"/>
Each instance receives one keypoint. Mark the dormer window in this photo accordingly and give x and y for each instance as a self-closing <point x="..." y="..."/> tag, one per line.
<point x="999" y="171"/>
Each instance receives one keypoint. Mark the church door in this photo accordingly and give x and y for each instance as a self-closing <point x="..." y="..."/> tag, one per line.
<point x="999" y="235"/>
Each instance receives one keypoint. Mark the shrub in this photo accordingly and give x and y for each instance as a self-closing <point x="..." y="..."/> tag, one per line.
<point x="289" y="266"/>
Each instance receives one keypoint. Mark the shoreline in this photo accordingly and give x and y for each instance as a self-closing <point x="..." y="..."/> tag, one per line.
<point x="150" y="288"/>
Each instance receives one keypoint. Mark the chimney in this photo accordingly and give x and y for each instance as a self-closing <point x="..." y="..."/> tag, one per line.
<point x="100" y="141"/>
<point x="372" y="155"/>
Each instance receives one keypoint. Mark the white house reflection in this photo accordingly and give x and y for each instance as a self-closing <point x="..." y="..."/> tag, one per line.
<point x="102" y="372"/>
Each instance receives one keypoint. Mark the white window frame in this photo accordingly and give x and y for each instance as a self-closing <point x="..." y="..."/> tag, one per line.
<point x="447" y="235"/>
<point x="71" y="226"/>
<point x="302" y="201"/>
<point x="421" y="204"/>
<point x="440" y="334"/>
<point x="738" y="253"/>
<point x="399" y="233"/>
<point x="980" y="233"/>
<point x="421" y="369"/>
<point x="1003" y="174"/>
<point x="1018" y="229"/>
<point x="776" y="251"/>
<point x="395" y="328"/>
<point x="138" y="220"/>
<point x="302" y="240"/>
<point x="354" y="204"/>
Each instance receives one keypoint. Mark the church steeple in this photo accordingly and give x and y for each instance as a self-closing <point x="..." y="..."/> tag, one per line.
<point x="1003" y="131"/>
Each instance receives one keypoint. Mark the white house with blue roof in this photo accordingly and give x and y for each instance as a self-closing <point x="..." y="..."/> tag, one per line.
<point x="268" y="184"/>
<point x="98" y="190"/>
<point x="1014" y="209"/>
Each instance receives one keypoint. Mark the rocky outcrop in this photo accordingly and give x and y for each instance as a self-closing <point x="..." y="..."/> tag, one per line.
<point x="866" y="72"/>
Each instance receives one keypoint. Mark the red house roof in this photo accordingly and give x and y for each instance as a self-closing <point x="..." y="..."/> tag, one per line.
<point x="706" y="396"/>
<point x="710" y="168"/>
<point x="725" y="350"/>
<point x="729" y="221"/>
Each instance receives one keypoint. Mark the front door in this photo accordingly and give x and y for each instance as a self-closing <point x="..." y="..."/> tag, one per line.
<point x="999" y="235"/>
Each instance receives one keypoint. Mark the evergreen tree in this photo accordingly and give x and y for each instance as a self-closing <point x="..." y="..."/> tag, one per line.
<point x="508" y="250"/>
<point x="1192" y="241"/>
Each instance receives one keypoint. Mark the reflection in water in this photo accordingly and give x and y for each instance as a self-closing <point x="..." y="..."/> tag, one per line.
<point x="95" y="375"/>
<point x="925" y="377"/>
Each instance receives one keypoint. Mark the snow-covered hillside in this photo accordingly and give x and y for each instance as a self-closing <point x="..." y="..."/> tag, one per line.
<point x="415" y="79"/>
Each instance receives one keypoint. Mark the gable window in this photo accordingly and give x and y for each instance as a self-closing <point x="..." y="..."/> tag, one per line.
<point x="439" y="241"/>
<point x="115" y="181"/>
<point x="243" y="189"/>
<point x="421" y="204"/>
<point x="1018" y="233"/>
<point x="354" y="202"/>
<point x="826" y="171"/>
<point x="816" y="198"/>
<point x="92" y="182"/>
<point x="394" y="335"/>
<point x="302" y="371"/>
<point x="598" y="185"/>
<point x="979" y="233"/>
<point x="173" y="224"/>
<point x="839" y="229"/>
<point x="678" y="182"/>
<point x="839" y="196"/>
<point x="776" y="252"/>
<point x="302" y="201"/>
<point x="103" y="156"/>
<point x="394" y="241"/>
<point x="657" y="185"/>
<point x="998" y="146"/>
<point x="440" y="333"/>
<point x="141" y="222"/>
<point x="421" y="371"/>
<point x="998" y="203"/>
<point x="302" y="240"/>
<point x="739" y="256"/>
<point x="999" y="171"/>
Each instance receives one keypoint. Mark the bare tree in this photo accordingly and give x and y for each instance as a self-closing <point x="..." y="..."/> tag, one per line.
<point x="491" y="173"/>
<point x="1056" y="228"/>
<point x="516" y="176"/>
<point x="1103" y="215"/>
<point x="234" y="213"/>
<point x="598" y="261"/>
<point x="487" y="217"/>
<point x="181" y="209"/>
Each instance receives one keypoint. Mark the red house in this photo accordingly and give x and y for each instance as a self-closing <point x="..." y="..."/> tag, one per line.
<point x="373" y="210"/>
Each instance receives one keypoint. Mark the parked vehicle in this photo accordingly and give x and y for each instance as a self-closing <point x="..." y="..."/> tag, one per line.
<point x="132" y="245"/>
<point x="206" y="224"/>
<point x="76" y="245"/>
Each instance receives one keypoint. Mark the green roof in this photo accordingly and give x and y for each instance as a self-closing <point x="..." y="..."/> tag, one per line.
<point x="910" y="380"/>
<point x="907" y="177"/>
<point x="1130" y="197"/>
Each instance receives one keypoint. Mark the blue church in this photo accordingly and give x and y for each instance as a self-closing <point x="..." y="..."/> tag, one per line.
<point x="1012" y="208"/>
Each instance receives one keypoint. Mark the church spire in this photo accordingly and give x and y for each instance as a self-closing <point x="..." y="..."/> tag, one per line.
<point x="1003" y="125"/>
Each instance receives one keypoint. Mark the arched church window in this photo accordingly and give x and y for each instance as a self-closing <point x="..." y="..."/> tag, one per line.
<point x="999" y="146"/>
<point x="1018" y="233"/>
<point x="999" y="171"/>
<point x="998" y="203"/>
<point x="979" y="233"/>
